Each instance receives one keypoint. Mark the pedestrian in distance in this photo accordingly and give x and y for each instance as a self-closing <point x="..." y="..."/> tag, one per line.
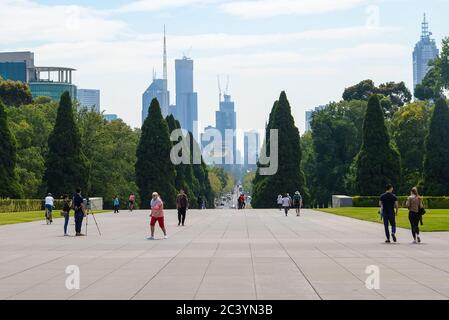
<point x="200" y="203"/>
<point x="182" y="204"/>
<point x="279" y="202"/>
<point x="49" y="204"/>
<point x="116" y="204"/>
<point x="131" y="202"/>
<point x="415" y="210"/>
<point x="65" y="212"/>
<point x="80" y="211"/>
<point x="389" y="210"/>
<point x="297" y="203"/>
<point x="157" y="215"/>
<point x="286" y="204"/>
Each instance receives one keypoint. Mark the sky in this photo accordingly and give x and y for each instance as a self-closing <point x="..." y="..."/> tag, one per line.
<point x="312" y="49"/>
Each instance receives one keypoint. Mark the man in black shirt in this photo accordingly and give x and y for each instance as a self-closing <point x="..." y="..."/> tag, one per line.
<point x="78" y="206"/>
<point x="389" y="210"/>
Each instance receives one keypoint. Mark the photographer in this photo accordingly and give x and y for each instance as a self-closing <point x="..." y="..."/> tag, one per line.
<point x="80" y="211"/>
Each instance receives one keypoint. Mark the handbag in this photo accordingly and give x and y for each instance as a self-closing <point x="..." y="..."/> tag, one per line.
<point x="421" y="210"/>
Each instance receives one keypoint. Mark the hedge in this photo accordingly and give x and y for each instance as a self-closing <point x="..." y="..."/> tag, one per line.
<point x="23" y="205"/>
<point x="429" y="202"/>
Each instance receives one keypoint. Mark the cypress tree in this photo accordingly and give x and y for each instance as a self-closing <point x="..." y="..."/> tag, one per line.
<point x="289" y="177"/>
<point x="9" y="186"/>
<point x="378" y="162"/>
<point x="66" y="166"/>
<point x="154" y="170"/>
<point x="436" y="162"/>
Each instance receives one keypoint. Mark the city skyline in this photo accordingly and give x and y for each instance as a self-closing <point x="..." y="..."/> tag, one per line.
<point x="115" y="49"/>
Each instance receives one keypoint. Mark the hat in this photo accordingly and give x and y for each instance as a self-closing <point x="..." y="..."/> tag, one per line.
<point x="297" y="192"/>
<point x="155" y="194"/>
<point x="49" y="194"/>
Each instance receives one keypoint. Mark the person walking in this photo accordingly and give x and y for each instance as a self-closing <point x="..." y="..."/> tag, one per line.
<point x="279" y="202"/>
<point x="131" y="202"/>
<point x="49" y="204"/>
<point x="80" y="212"/>
<point x="157" y="215"/>
<point x="389" y="210"/>
<point x="415" y="205"/>
<point x="116" y="204"/>
<point x="65" y="212"/>
<point x="297" y="203"/>
<point x="182" y="203"/>
<point x="286" y="204"/>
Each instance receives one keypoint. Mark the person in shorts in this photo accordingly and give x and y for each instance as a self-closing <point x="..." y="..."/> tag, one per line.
<point x="49" y="203"/>
<point x="131" y="201"/>
<point x="157" y="215"/>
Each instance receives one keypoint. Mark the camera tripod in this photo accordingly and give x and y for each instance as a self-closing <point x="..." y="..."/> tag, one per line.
<point x="89" y="211"/>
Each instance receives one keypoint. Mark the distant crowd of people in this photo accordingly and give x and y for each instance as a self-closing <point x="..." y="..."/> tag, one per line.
<point x="286" y="202"/>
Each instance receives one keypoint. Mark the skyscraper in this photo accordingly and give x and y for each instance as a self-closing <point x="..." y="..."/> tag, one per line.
<point x="252" y="149"/>
<point x="89" y="98"/>
<point x="226" y="119"/>
<point x="158" y="89"/>
<point x="186" y="111"/>
<point x="425" y="50"/>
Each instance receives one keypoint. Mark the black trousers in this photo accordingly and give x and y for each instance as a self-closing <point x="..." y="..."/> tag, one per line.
<point x="79" y="216"/>
<point x="414" y="219"/>
<point x="182" y="215"/>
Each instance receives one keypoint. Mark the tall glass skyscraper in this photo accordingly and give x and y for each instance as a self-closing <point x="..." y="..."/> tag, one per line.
<point x="158" y="89"/>
<point x="425" y="50"/>
<point x="186" y="111"/>
<point x="226" y="119"/>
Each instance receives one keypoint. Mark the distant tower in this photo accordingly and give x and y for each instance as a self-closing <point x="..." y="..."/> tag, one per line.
<point x="425" y="51"/>
<point x="165" y="56"/>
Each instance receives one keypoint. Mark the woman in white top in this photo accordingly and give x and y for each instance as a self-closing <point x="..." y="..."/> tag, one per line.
<point x="279" y="202"/>
<point x="49" y="203"/>
<point x="286" y="203"/>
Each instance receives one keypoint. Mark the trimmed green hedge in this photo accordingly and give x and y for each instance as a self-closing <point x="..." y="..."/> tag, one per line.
<point x="429" y="202"/>
<point x="23" y="205"/>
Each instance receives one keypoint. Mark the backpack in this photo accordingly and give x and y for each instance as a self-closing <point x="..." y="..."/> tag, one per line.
<point x="296" y="199"/>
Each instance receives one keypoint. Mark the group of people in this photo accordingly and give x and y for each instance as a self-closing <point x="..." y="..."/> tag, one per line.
<point x="77" y="204"/>
<point x="286" y="202"/>
<point x="389" y="209"/>
<point x="157" y="212"/>
<point x="241" y="202"/>
<point x="131" y="203"/>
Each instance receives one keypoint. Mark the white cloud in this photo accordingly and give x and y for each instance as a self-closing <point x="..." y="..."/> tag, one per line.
<point x="270" y="8"/>
<point x="156" y="5"/>
<point x="25" y="21"/>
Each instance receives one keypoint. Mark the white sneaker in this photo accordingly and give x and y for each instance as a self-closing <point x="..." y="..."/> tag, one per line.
<point x="150" y="238"/>
<point x="66" y="235"/>
<point x="165" y="237"/>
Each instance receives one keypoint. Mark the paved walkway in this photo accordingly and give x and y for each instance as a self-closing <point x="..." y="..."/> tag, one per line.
<point x="222" y="254"/>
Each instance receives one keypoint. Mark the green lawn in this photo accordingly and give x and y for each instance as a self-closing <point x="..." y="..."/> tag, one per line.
<point x="434" y="219"/>
<point x="20" y="217"/>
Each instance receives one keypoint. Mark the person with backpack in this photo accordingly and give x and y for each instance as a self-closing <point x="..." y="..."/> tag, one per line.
<point x="389" y="209"/>
<point x="416" y="210"/>
<point x="297" y="203"/>
<point x="80" y="211"/>
<point x="182" y="204"/>
<point x="157" y="215"/>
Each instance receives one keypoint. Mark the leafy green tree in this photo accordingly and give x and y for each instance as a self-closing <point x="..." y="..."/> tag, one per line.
<point x="15" y="93"/>
<point x="248" y="182"/>
<point x="393" y="95"/>
<point x="9" y="187"/>
<point x="409" y="128"/>
<point x="65" y="164"/>
<point x="289" y="176"/>
<point x="436" y="163"/>
<point x="337" y="138"/>
<point x="378" y="162"/>
<point x="110" y="149"/>
<point x="31" y="125"/>
<point x="154" y="170"/>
